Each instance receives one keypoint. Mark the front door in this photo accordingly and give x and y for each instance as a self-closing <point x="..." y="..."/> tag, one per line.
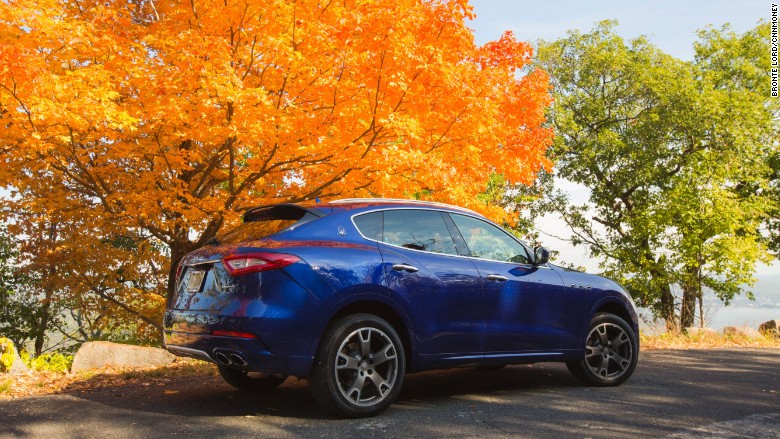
<point x="523" y="304"/>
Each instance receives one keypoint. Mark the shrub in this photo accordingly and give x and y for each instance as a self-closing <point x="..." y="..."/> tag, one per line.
<point x="51" y="361"/>
<point x="7" y="354"/>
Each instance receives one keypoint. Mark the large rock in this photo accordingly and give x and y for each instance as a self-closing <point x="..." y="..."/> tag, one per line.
<point x="695" y="330"/>
<point x="771" y="327"/>
<point x="742" y="331"/>
<point x="97" y="354"/>
<point x="18" y="366"/>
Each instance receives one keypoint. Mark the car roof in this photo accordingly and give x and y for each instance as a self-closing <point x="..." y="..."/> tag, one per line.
<point x="320" y="208"/>
<point x="359" y="203"/>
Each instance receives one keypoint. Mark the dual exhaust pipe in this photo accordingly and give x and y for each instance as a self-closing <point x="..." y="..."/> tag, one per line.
<point x="228" y="358"/>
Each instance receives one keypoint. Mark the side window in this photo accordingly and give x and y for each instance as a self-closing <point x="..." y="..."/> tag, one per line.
<point x="418" y="230"/>
<point x="370" y="225"/>
<point x="487" y="241"/>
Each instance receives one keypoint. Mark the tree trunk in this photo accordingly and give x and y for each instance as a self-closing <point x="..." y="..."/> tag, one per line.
<point x="42" y="323"/>
<point x="688" y="310"/>
<point x="48" y="287"/>
<point x="667" y="309"/>
<point x="658" y="271"/>
<point x="701" y="311"/>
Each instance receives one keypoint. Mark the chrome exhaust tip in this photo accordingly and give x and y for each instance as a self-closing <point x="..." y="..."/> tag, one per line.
<point x="222" y="358"/>
<point x="238" y="360"/>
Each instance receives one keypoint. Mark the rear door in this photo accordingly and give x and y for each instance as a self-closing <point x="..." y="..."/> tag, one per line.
<point x="443" y="289"/>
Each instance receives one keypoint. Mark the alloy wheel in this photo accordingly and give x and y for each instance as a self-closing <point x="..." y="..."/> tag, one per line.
<point x="366" y="366"/>
<point x="609" y="351"/>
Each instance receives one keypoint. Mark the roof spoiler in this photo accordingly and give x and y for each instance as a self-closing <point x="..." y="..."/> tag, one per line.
<point x="249" y="214"/>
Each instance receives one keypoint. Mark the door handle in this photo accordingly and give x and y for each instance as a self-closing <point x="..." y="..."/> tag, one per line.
<point x="497" y="277"/>
<point x="405" y="267"/>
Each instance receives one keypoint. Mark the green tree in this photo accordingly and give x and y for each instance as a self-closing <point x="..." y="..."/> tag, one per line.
<point x="667" y="149"/>
<point x="21" y="308"/>
<point x="773" y="225"/>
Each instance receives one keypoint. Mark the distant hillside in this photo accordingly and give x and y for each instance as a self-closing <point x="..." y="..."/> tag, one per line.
<point x="766" y="292"/>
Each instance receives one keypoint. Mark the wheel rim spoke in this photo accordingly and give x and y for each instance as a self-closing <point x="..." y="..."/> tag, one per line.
<point x="380" y="383"/>
<point x="620" y="361"/>
<point x="619" y="340"/>
<point x="592" y="351"/>
<point x="604" y="368"/>
<point x="387" y="353"/>
<point x="356" y="389"/>
<point x="346" y="362"/>
<point x="602" y="332"/>
<point x="365" y="342"/>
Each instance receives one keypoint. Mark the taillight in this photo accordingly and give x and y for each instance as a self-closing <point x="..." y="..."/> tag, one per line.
<point x="235" y="334"/>
<point x="244" y="263"/>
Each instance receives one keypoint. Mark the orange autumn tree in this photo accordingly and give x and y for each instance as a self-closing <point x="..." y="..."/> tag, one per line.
<point x="159" y="122"/>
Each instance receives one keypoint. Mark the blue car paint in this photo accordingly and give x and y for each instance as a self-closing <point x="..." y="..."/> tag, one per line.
<point x="449" y="313"/>
<point x="446" y="290"/>
<point x="525" y="312"/>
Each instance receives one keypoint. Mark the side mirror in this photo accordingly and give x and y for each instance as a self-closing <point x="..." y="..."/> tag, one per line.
<point x="541" y="255"/>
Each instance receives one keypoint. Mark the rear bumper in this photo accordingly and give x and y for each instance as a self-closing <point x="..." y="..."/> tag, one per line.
<point x="257" y="356"/>
<point x="279" y="345"/>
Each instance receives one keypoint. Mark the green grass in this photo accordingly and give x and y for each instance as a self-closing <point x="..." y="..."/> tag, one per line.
<point x="5" y="385"/>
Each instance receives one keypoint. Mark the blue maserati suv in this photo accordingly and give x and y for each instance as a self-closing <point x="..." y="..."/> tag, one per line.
<point x="353" y="294"/>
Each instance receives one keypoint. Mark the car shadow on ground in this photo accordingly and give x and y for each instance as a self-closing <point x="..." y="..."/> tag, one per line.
<point x="208" y="395"/>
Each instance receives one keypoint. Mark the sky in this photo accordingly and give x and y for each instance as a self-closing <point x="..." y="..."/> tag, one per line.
<point x="669" y="25"/>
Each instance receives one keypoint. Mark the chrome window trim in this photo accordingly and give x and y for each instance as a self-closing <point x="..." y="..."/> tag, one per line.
<point x="401" y="201"/>
<point x="435" y="209"/>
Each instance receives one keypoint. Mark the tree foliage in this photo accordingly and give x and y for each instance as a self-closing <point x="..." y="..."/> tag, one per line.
<point x="131" y="132"/>
<point x="21" y="306"/>
<point x="675" y="155"/>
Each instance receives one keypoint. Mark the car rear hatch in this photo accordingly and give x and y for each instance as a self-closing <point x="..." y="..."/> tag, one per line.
<point x="211" y="279"/>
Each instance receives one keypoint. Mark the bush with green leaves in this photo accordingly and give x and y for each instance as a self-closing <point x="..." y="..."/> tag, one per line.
<point x="51" y="361"/>
<point x="7" y="354"/>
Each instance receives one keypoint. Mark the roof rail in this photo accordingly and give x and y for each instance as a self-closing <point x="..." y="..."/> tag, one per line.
<point x="399" y="201"/>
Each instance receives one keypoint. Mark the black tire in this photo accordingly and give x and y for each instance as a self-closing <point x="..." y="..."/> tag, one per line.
<point x="250" y="381"/>
<point x="359" y="367"/>
<point x="611" y="352"/>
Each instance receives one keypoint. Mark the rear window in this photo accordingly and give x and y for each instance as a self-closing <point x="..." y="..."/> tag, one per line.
<point x="266" y="222"/>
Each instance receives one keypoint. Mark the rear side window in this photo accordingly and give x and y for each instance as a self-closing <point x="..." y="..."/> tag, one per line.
<point x="266" y="222"/>
<point x="418" y="230"/>
<point x="370" y="225"/>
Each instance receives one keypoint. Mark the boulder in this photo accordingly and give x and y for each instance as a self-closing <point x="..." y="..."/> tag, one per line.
<point x="18" y="366"/>
<point x="743" y="331"/>
<point x="695" y="330"/>
<point x="97" y="354"/>
<point x="772" y="327"/>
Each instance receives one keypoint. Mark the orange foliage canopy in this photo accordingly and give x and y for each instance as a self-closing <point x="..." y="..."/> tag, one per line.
<point x="165" y="119"/>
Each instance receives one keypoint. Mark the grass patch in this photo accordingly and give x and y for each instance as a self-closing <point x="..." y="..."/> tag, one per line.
<point x="705" y="340"/>
<point x="5" y="385"/>
<point x="42" y="382"/>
